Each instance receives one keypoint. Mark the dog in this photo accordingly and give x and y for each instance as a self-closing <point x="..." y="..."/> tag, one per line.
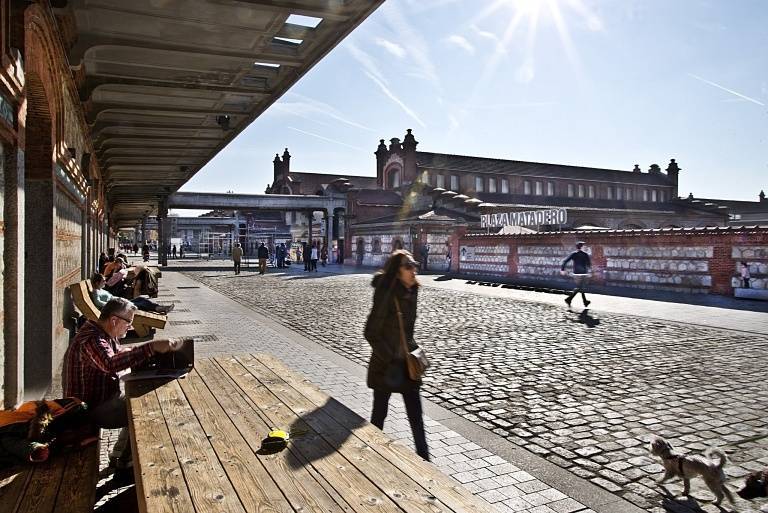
<point x="755" y="485"/>
<point x="686" y="467"/>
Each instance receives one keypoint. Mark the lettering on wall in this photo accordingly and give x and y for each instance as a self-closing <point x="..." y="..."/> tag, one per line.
<point x="525" y="218"/>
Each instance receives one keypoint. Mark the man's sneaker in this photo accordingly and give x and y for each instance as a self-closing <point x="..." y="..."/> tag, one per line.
<point x="170" y="307"/>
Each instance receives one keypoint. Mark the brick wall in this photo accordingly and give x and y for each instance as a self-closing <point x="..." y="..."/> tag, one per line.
<point x="689" y="260"/>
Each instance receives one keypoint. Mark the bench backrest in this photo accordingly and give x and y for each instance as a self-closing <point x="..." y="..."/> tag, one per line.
<point x="82" y="298"/>
<point x="81" y="295"/>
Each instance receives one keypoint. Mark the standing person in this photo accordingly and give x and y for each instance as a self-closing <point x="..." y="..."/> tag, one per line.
<point x="91" y="366"/>
<point x="395" y="287"/>
<point x="745" y="275"/>
<point x="145" y="251"/>
<point x="281" y="255"/>
<point x="313" y="257"/>
<point x="263" y="255"/>
<point x="324" y="254"/>
<point x="173" y="251"/>
<point x="424" y="256"/>
<point x="581" y="268"/>
<point x="306" y="252"/>
<point x="135" y="248"/>
<point x="237" y="256"/>
<point x="181" y="251"/>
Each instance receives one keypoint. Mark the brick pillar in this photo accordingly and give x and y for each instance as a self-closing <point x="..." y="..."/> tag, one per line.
<point x="599" y="264"/>
<point x="13" y="277"/>
<point x="456" y="248"/>
<point x="721" y="267"/>
<point x="512" y="261"/>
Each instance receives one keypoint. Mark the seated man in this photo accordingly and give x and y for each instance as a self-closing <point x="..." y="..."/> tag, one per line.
<point x="101" y="297"/>
<point x="91" y="366"/>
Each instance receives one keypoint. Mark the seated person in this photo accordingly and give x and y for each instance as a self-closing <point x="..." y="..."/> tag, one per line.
<point x="91" y="366"/>
<point x="116" y="283"/>
<point x="101" y="297"/>
<point x="144" y="283"/>
<point x="114" y="265"/>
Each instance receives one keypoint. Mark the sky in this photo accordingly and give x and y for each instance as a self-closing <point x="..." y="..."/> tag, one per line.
<point x="601" y="83"/>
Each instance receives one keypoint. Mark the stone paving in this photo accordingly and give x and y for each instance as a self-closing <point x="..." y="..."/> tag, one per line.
<point x="583" y="390"/>
<point x="225" y="327"/>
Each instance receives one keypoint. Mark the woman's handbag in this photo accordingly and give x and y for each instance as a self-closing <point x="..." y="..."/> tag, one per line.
<point x="415" y="360"/>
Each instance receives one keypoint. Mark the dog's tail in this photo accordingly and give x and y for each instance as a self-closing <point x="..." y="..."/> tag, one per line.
<point x="720" y="454"/>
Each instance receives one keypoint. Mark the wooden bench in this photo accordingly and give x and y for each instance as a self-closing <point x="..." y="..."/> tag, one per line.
<point x="197" y="447"/>
<point x="64" y="484"/>
<point x="143" y="322"/>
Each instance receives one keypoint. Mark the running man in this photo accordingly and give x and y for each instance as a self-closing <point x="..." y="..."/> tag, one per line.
<point x="582" y="266"/>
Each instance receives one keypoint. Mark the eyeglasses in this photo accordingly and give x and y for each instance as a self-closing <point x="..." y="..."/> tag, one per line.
<point x="129" y="321"/>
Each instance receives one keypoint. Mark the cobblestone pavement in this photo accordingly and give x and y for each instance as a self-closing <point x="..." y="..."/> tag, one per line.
<point x="583" y="390"/>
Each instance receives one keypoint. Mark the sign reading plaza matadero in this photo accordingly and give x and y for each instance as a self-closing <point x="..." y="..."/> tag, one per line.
<point x="525" y="218"/>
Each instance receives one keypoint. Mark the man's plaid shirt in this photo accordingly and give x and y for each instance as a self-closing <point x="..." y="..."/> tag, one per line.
<point x="92" y="362"/>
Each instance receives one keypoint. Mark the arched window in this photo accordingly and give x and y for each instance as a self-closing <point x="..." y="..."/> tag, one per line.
<point x="393" y="179"/>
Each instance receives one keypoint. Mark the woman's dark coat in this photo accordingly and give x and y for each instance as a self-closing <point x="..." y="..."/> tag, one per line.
<point x="387" y="370"/>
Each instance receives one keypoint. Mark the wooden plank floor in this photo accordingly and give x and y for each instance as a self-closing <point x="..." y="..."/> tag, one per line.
<point x="197" y="442"/>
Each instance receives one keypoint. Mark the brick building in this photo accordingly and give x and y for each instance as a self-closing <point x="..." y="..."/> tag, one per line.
<point x="608" y="198"/>
<point x="740" y="213"/>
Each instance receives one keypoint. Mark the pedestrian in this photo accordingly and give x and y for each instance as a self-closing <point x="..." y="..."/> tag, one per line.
<point x="181" y="251"/>
<point x="135" y="248"/>
<point x="281" y="252"/>
<point x="145" y="251"/>
<point x="745" y="275"/>
<point x="581" y="269"/>
<point x="91" y="366"/>
<point x="173" y="251"/>
<point x="396" y="290"/>
<point x="263" y="255"/>
<point x="313" y="257"/>
<point x="324" y="255"/>
<point x="237" y="255"/>
<point x="424" y="256"/>
<point x="307" y="252"/>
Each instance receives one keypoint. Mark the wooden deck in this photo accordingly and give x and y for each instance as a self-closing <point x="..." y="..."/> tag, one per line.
<point x="197" y="447"/>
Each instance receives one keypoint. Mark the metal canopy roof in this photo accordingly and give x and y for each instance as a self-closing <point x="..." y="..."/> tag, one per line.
<point x="167" y="84"/>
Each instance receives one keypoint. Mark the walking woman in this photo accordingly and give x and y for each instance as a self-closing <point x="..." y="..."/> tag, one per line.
<point x="396" y="289"/>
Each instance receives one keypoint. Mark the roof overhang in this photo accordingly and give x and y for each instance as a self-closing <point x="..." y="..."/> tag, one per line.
<point x="167" y="85"/>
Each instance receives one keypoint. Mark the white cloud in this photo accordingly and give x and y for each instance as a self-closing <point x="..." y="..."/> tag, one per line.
<point x="305" y="107"/>
<point x="727" y="90"/>
<point x="454" y="122"/>
<point x="395" y="99"/>
<point x="393" y="48"/>
<point x="499" y="44"/>
<point x="461" y="42"/>
<point x="318" y="136"/>
<point x="418" y="48"/>
<point x="369" y="65"/>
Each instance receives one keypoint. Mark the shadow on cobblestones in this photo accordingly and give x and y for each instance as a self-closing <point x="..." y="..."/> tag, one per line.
<point x="581" y="391"/>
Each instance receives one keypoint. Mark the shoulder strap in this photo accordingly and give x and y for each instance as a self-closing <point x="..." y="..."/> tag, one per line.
<point x="403" y="343"/>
